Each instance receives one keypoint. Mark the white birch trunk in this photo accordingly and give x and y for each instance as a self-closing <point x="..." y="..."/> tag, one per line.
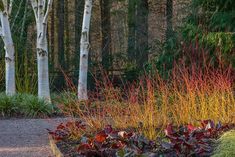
<point x="43" y="70"/>
<point x="41" y="10"/>
<point x="84" y="50"/>
<point x="9" y="49"/>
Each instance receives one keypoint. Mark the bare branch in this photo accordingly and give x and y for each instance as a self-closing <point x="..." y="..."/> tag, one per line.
<point x="44" y="5"/>
<point x="49" y="5"/>
<point x="5" y="4"/>
<point x="10" y="7"/>
<point x="34" y="4"/>
<point x="40" y="10"/>
<point x="40" y="2"/>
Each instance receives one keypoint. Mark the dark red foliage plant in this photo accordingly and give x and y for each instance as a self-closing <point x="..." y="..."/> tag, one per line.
<point x="111" y="142"/>
<point x="60" y="133"/>
<point x="193" y="141"/>
<point x="106" y="142"/>
<point x="183" y="141"/>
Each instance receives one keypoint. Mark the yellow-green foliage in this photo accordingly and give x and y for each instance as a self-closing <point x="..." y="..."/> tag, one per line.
<point x="226" y="147"/>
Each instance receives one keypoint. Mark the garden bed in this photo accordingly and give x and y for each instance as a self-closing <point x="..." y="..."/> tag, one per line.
<point x="75" y="139"/>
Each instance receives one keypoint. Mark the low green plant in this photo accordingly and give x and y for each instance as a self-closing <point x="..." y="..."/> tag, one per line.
<point x="226" y="145"/>
<point x="32" y="106"/>
<point x="24" y="105"/>
<point x="7" y="105"/>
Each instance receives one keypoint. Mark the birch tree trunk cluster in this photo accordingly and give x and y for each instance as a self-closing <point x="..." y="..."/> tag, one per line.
<point x="41" y="9"/>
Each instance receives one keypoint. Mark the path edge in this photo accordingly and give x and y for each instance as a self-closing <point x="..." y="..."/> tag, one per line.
<point x="55" y="150"/>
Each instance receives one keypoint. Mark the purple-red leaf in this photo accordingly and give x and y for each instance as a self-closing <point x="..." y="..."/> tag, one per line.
<point x="101" y="137"/>
<point x="169" y="131"/>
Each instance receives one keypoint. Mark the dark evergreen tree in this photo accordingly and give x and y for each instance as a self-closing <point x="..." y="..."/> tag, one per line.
<point x="211" y="23"/>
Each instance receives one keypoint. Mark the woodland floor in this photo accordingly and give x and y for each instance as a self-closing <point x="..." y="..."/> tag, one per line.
<point x="26" y="137"/>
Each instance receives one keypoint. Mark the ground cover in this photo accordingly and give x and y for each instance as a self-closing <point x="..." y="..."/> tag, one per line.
<point x="75" y="138"/>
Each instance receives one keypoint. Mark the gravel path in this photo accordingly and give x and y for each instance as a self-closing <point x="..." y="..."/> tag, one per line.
<point x="26" y="137"/>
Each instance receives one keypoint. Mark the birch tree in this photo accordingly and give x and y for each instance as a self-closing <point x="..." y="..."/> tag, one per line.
<point x="5" y="31"/>
<point x="84" y="50"/>
<point x="41" y="10"/>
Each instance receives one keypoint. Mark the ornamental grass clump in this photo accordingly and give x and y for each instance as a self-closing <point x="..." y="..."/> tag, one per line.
<point x="150" y="103"/>
<point x="24" y="105"/>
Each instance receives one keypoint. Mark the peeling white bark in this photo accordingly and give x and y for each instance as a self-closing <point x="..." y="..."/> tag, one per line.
<point x="5" y="32"/>
<point x="41" y="10"/>
<point x="83" y="70"/>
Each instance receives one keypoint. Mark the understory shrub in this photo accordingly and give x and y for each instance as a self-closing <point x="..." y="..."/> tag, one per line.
<point x="24" y="105"/>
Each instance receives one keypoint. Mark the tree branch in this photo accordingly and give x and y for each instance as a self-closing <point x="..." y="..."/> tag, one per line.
<point x="44" y="5"/>
<point x="34" y="4"/>
<point x="45" y="19"/>
<point x="49" y="5"/>
<point x="40" y="10"/>
<point x="5" y="4"/>
<point x="10" y="7"/>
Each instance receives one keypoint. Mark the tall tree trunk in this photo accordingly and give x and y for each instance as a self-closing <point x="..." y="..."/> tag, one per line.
<point x="61" y="49"/>
<point x="79" y="9"/>
<point x="83" y="70"/>
<point x="9" y="52"/>
<point x="61" y="18"/>
<point x="42" y="60"/>
<point x="141" y="32"/>
<point x="52" y="41"/>
<point x="41" y="12"/>
<point x="106" y="33"/>
<point x="169" y="16"/>
<point x="67" y="35"/>
<point x="131" y="30"/>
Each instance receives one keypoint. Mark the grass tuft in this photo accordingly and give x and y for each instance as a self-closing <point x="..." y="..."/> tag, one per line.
<point x="25" y="105"/>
